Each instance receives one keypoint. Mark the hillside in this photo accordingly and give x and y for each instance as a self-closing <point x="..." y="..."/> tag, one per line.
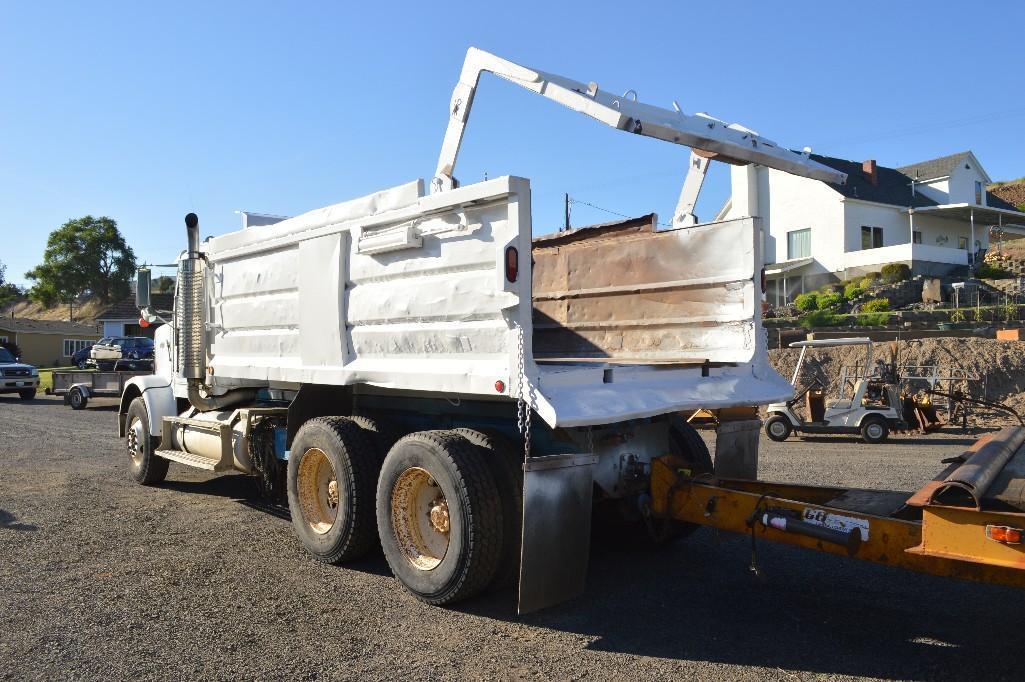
<point x="84" y="312"/>
<point x="1013" y="192"/>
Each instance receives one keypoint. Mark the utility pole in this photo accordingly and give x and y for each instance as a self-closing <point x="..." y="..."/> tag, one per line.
<point x="566" y="204"/>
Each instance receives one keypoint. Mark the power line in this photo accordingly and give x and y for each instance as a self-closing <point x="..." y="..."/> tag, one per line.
<point x="606" y="210"/>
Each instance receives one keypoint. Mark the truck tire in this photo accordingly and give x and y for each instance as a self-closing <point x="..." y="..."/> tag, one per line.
<point x="687" y="443"/>
<point x="27" y="394"/>
<point x="874" y="429"/>
<point x="332" y="472"/>
<point x="506" y="468"/>
<point x="439" y="517"/>
<point x="77" y="398"/>
<point x="382" y="432"/>
<point x="778" y="428"/>
<point x="143" y="466"/>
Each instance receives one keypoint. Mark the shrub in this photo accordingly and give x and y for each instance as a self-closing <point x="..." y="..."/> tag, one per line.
<point x="987" y="271"/>
<point x="876" y="305"/>
<point x="852" y="291"/>
<point x="820" y="318"/>
<point x="807" y="302"/>
<point x="896" y="272"/>
<point x="957" y="316"/>
<point x="870" y="280"/>
<point x="873" y="319"/>
<point x="833" y="288"/>
<point x="828" y="301"/>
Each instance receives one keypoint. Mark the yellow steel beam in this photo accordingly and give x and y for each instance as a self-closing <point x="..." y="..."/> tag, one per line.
<point x="730" y="505"/>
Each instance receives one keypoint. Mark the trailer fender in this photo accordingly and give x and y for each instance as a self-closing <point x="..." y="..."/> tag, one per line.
<point x="158" y="396"/>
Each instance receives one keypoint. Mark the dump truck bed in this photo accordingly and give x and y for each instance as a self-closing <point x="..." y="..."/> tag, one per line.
<point x="434" y="293"/>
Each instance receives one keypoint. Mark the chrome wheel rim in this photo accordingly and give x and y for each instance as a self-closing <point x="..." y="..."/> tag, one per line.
<point x="317" y="488"/>
<point x="420" y="518"/>
<point x="136" y="440"/>
<point x="875" y="430"/>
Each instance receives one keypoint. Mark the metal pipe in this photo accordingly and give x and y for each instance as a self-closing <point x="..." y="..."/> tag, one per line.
<point x="205" y="403"/>
<point x="192" y="230"/>
<point x="851" y="539"/>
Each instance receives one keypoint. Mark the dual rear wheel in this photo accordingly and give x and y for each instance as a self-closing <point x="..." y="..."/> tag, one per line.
<point x="442" y="505"/>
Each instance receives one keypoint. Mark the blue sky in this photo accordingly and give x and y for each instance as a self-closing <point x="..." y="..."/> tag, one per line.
<point x="145" y="112"/>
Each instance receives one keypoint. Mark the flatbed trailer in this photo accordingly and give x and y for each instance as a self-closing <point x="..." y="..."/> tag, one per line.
<point x="968" y="522"/>
<point x="78" y="387"/>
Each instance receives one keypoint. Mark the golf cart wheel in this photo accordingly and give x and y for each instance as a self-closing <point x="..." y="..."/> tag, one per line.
<point x="143" y="465"/>
<point x="778" y="428"/>
<point x="332" y="471"/>
<point x="77" y="398"/>
<point x="439" y="517"/>
<point x="874" y="429"/>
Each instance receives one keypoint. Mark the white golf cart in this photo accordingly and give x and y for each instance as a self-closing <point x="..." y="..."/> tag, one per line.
<point x="869" y="404"/>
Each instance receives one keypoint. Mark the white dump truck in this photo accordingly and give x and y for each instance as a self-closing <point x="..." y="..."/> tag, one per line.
<point x="413" y="370"/>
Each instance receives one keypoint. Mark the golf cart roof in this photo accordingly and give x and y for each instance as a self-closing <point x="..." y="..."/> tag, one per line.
<point x="826" y="343"/>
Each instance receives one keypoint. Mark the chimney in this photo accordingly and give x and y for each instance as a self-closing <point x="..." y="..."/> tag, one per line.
<point x="871" y="173"/>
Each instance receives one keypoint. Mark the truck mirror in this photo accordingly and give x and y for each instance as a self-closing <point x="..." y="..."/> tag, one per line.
<point x="142" y="288"/>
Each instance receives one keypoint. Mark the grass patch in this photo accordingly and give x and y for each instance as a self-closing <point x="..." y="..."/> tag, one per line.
<point x="46" y="375"/>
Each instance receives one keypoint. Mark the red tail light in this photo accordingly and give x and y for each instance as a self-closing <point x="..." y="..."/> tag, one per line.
<point x="512" y="263"/>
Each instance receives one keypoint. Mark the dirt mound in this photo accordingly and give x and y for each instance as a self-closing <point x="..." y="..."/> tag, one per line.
<point x="1000" y="365"/>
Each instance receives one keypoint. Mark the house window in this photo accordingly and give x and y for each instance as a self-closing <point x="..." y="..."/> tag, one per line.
<point x="3" y="339"/>
<point x="978" y="193"/>
<point x="799" y="243"/>
<point x="871" y="237"/>
<point x="962" y="243"/>
<point x="72" y="346"/>
<point x="916" y="237"/>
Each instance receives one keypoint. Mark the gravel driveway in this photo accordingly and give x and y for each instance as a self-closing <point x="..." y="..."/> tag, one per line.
<point x="102" y="578"/>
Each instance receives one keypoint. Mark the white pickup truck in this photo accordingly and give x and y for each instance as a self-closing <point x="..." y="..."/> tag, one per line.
<point x="413" y="370"/>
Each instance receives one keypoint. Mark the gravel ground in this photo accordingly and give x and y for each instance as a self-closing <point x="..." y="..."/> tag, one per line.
<point x="100" y="577"/>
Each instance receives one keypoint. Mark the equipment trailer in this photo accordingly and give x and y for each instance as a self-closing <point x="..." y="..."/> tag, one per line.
<point x="409" y="370"/>
<point x="78" y="387"/>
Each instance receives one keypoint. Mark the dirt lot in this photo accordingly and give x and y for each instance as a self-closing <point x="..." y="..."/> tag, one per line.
<point x="102" y="578"/>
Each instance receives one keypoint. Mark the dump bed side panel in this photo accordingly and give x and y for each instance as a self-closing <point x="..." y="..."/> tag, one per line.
<point x="675" y="296"/>
<point x="414" y="297"/>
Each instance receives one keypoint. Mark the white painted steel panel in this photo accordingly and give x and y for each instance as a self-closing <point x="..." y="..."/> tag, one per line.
<point x="297" y="302"/>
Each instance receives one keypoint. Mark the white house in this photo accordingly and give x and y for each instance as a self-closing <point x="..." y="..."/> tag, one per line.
<point x="934" y="216"/>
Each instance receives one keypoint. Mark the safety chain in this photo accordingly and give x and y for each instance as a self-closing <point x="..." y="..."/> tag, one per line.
<point x="523" y="407"/>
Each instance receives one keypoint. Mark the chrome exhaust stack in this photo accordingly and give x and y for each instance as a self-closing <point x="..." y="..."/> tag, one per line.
<point x="191" y="322"/>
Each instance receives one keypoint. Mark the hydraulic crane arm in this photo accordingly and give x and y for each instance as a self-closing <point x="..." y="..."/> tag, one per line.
<point x="711" y="138"/>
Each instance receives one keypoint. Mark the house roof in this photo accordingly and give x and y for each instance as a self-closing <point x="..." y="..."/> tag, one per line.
<point x="934" y="168"/>
<point x="23" y="325"/>
<point x="894" y="184"/>
<point x="125" y="309"/>
<point x="893" y="187"/>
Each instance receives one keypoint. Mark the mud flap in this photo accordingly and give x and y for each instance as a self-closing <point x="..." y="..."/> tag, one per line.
<point x="557" y="492"/>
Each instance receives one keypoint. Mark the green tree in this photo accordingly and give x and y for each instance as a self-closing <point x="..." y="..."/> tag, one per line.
<point x="163" y="285"/>
<point x="83" y="256"/>
<point x="9" y="291"/>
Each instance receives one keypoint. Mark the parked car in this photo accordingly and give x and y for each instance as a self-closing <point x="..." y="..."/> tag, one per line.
<point x="17" y="377"/>
<point x="136" y="350"/>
